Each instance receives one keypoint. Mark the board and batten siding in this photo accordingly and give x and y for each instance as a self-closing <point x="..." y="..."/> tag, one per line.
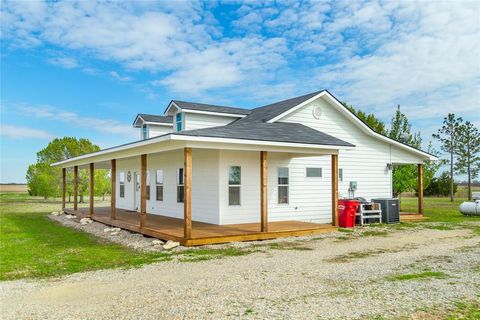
<point x="194" y="121"/>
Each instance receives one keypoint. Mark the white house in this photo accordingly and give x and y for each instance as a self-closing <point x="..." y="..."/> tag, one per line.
<point x="260" y="172"/>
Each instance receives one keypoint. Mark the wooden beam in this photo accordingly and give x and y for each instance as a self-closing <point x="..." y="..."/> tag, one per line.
<point x="187" y="199"/>
<point x="113" y="174"/>
<point x="420" y="189"/>
<point x="64" y="186"/>
<point x="92" y="188"/>
<point x="334" y="190"/>
<point x="143" y="190"/>
<point x="263" y="191"/>
<point x="75" y="188"/>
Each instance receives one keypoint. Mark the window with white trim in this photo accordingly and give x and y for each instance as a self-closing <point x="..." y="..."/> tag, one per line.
<point x="314" y="172"/>
<point x="179" y="121"/>
<point x="121" y="179"/>
<point x="148" y="185"/>
<point x="283" y="181"/>
<point x="159" y="185"/>
<point x="234" y="185"/>
<point x="180" y="186"/>
<point x="340" y="174"/>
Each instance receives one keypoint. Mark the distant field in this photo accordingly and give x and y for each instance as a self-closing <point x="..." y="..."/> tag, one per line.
<point x="11" y="187"/>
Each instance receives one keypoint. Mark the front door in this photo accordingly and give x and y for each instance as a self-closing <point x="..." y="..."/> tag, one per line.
<point x="136" y="191"/>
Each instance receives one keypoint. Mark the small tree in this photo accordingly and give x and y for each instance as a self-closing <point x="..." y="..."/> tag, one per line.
<point x="440" y="186"/>
<point x="404" y="176"/>
<point x="447" y="135"/>
<point x="468" y="152"/>
<point x="102" y="183"/>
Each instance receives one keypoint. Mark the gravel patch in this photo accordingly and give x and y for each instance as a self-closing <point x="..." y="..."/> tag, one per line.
<point x="273" y="283"/>
<point x="126" y="238"/>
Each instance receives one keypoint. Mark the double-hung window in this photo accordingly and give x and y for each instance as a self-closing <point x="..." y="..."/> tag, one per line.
<point x="282" y="185"/>
<point x="144" y="132"/>
<point x="234" y="185"/>
<point x="180" y="186"/>
<point x="148" y="185"/>
<point x="159" y="185"/>
<point x="340" y="174"/>
<point x="178" y="121"/>
<point x="122" y="184"/>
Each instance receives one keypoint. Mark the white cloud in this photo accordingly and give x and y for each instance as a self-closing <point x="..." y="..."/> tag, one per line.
<point x="19" y="132"/>
<point x="118" y="77"/>
<point x="65" y="62"/>
<point x="77" y="120"/>
<point x="374" y="54"/>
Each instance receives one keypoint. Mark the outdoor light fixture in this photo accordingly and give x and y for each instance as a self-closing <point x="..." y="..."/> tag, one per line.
<point x="389" y="166"/>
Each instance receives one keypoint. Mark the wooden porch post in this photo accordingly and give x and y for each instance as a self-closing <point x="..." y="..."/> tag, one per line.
<point x="113" y="205"/>
<point x="92" y="187"/>
<point x="143" y="190"/>
<point x="263" y="191"/>
<point x="335" y="190"/>
<point x="420" y="188"/>
<point x="75" y="187"/>
<point x="187" y="199"/>
<point x="64" y="186"/>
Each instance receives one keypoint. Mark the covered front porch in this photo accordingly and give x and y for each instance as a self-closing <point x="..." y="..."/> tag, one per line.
<point x="183" y="228"/>
<point x="168" y="228"/>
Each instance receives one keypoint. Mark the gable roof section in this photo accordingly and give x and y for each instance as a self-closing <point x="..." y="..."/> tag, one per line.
<point x="155" y="119"/>
<point x="278" y="132"/>
<point x="208" y="108"/>
<point x="287" y="108"/>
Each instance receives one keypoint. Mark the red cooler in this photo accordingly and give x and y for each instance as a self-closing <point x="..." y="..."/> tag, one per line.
<point x="347" y="210"/>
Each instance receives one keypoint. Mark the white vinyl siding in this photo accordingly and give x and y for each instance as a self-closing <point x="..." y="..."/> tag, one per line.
<point x="198" y="121"/>
<point x="366" y="163"/>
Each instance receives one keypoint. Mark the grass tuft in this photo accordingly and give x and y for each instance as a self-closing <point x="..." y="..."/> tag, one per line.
<point x="418" y="276"/>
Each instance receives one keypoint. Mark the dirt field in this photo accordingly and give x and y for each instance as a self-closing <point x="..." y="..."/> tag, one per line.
<point x="13" y="187"/>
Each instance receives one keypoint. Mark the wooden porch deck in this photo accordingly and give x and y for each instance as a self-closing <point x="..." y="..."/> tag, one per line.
<point x="411" y="217"/>
<point x="167" y="228"/>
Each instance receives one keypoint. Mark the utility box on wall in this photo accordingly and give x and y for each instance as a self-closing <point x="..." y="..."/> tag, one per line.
<point x="390" y="209"/>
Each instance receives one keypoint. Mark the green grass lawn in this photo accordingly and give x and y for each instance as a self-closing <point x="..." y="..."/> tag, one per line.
<point x="31" y="245"/>
<point x="438" y="209"/>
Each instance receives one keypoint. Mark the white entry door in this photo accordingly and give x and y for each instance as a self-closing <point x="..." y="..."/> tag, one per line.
<point x="136" y="189"/>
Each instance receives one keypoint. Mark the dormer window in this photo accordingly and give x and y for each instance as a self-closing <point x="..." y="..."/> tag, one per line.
<point x="144" y="132"/>
<point x="178" y="121"/>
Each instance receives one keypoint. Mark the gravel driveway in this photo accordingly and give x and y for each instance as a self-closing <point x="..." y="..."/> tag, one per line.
<point x="329" y="277"/>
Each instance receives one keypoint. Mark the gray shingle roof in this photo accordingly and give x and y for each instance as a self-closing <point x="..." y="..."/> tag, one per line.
<point x="278" y="131"/>
<point x="154" y="118"/>
<point x="270" y="111"/>
<point x="210" y="107"/>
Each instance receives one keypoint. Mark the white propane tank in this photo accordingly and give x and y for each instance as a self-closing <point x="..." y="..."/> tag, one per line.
<point x="470" y="208"/>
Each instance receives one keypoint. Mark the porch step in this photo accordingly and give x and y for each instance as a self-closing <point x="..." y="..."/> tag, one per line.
<point x="412" y="217"/>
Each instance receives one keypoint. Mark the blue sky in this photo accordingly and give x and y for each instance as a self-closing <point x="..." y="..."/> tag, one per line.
<point x="85" y="69"/>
